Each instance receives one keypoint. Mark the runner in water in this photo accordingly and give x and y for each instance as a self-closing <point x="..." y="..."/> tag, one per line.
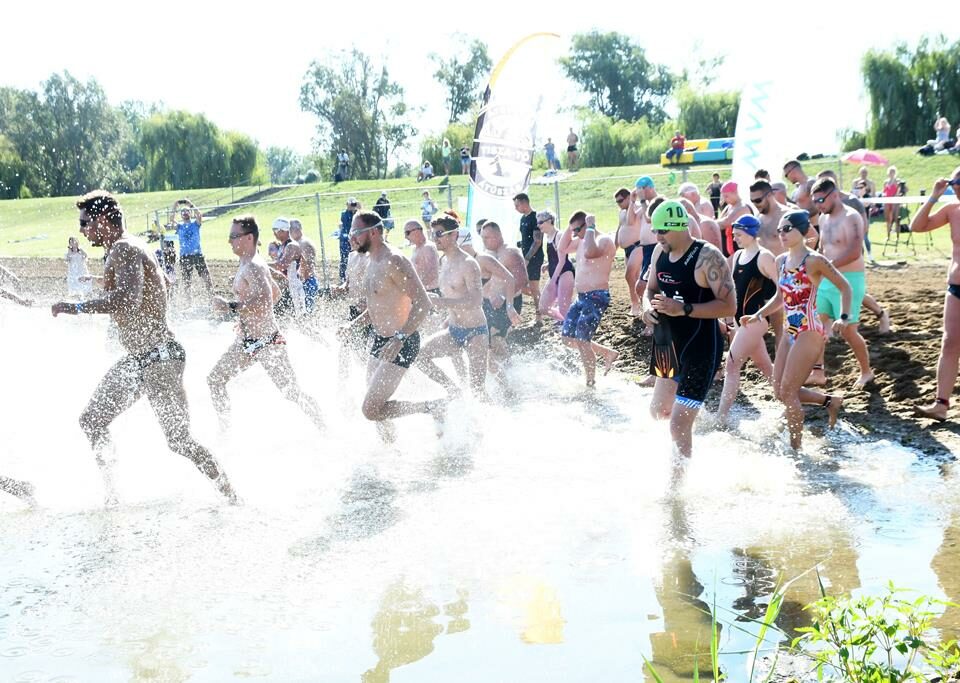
<point x="754" y="276"/>
<point x="460" y="297"/>
<point x="499" y="266"/>
<point x="595" y="253"/>
<point x="397" y="304"/>
<point x="799" y="272"/>
<point x="557" y="295"/>
<point x="135" y="297"/>
<point x="258" y="336"/>
<point x="690" y="289"/>
<point x="308" y="265"/>
<point x="288" y="264"/>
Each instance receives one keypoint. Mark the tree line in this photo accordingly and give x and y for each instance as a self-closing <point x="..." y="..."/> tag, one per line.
<point x="66" y="138"/>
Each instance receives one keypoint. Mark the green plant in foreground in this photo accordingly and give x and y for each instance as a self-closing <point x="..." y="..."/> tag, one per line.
<point x="877" y="639"/>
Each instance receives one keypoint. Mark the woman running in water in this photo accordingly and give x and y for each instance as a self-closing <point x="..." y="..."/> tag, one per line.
<point x="754" y="275"/>
<point x="559" y="290"/>
<point x="800" y="272"/>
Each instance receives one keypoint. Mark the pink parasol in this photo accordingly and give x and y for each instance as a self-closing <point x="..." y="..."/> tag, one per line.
<point x="865" y="156"/>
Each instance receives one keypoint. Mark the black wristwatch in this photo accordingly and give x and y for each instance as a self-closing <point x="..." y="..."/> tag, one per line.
<point x="844" y="317"/>
<point x="233" y="306"/>
<point x="687" y="309"/>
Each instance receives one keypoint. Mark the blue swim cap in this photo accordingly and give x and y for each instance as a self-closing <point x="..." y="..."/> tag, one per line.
<point x="748" y="223"/>
<point x="644" y="182"/>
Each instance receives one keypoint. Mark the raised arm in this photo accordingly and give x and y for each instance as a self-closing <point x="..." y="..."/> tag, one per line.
<point x="923" y="221"/>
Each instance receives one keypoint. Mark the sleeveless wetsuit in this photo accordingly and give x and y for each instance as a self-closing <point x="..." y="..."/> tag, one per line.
<point x="754" y="289"/>
<point x="799" y="300"/>
<point x="697" y="343"/>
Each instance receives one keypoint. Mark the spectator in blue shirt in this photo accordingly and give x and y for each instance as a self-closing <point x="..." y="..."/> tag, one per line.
<point x="188" y="235"/>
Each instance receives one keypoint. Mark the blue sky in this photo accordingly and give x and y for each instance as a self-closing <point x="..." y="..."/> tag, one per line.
<point x="242" y="67"/>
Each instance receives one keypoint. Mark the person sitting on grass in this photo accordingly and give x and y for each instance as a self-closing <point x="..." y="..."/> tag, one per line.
<point x="426" y="172"/>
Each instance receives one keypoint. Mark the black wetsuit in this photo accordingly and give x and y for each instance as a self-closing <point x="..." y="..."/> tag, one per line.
<point x="697" y="342"/>
<point x="754" y="289"/>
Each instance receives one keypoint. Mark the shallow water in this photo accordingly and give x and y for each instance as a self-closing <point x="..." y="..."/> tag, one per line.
<point x="531" y="542"/>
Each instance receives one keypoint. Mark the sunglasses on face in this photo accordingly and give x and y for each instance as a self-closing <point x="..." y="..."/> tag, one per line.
<point x="783" y="229"/>
<point x="822" y="199"/>
<point x="760" y="198"/>
<point x="84" y="222"/>
<point x="437" y="234"/>
<point x="359" y="231"/>
<point x="407" y="233"/>
<point x="236" y="235"/>
<point x="620" y="200"/>
<point x="955" y="181"/>
<point x="662" y="232"/>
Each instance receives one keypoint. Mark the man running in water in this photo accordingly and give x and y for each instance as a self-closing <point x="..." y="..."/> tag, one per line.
<point x="950" y="346"/>
<point x="308" y="265"/>
<point x="499" y="265"/>
<point x="135" y="297"/>
<point x="841" y="242"/>
<point x="258" y="339"/>
<point x="426" y="260"/>
<point x="691" y="288"/>
<point x="595" y="255"/>
<point x="461" y="296"/>
<point x="288" y="264"/>
<point x="397" y="304"/>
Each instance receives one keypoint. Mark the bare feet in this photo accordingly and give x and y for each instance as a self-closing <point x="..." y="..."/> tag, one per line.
<point x="226" y="490"/>
<point x="833" y="409"/>
<point x="635" y="310"/>
<point x="864" y="380"/>
<point x="884" y="326"/>
<point x="817" y="378"/>
<point x="936" y="411"/>
<point x="608" y="360"/>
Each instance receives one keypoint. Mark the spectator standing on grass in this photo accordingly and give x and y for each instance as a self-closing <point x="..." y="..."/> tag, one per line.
<point x="428" y="207"/>
<point x="573" y="156"/>
<point x="346" y="219"/>
<point x="343" y="165"/>
<point x="382" y="208"/>
<point x="677" y="143"/>
<point x="79" y="282"/>
<point x="531" y="244"/>
<point x="891" y="188"/>
<point x="446" y="152"/>
<point x="188" y="234"/>
<point x="713" y="189"/>
<point x="551" y="151"/>
<point x="464" y="160"/>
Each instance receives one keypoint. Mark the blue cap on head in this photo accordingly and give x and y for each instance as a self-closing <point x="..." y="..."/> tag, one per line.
<point x="748" y="223"/>
<point x="644" y="182"/>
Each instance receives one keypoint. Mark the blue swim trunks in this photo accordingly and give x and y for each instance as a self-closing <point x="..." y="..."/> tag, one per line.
<point x="584" y="316"/>
<point x="310" y="290"/>
<point x="462" y="335"/>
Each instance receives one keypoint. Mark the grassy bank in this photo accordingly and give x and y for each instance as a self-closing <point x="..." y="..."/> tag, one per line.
<point x="40" y="227"/>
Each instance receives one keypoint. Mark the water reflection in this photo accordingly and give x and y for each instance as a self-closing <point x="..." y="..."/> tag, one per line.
<point x="944" y="563"/>
<point x="404" y="628"/>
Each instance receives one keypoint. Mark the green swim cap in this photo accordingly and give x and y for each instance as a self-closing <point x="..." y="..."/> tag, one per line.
<point x="670" y="215"/>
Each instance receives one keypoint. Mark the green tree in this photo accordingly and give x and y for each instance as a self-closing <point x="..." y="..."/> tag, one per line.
<point x="909" y="90"/>
<point x="243" y="156"/>
<point x="283" y="164"/>
<point x="462" y="76"/>
<point x="622" y="83"/>
<point x="12" y="170"/>
<point x="609" y="142"/>
<point x="359" y="109"/>
<point x="459" y="135"/>
<point x="183" y="150"/>
<point x="707" y="115"/>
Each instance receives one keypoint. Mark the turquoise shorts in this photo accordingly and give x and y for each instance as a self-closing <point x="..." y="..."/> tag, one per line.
<point x="829" y="300"/>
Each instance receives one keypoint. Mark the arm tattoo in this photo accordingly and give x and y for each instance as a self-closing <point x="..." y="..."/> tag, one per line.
<point x="718" y="273"/>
